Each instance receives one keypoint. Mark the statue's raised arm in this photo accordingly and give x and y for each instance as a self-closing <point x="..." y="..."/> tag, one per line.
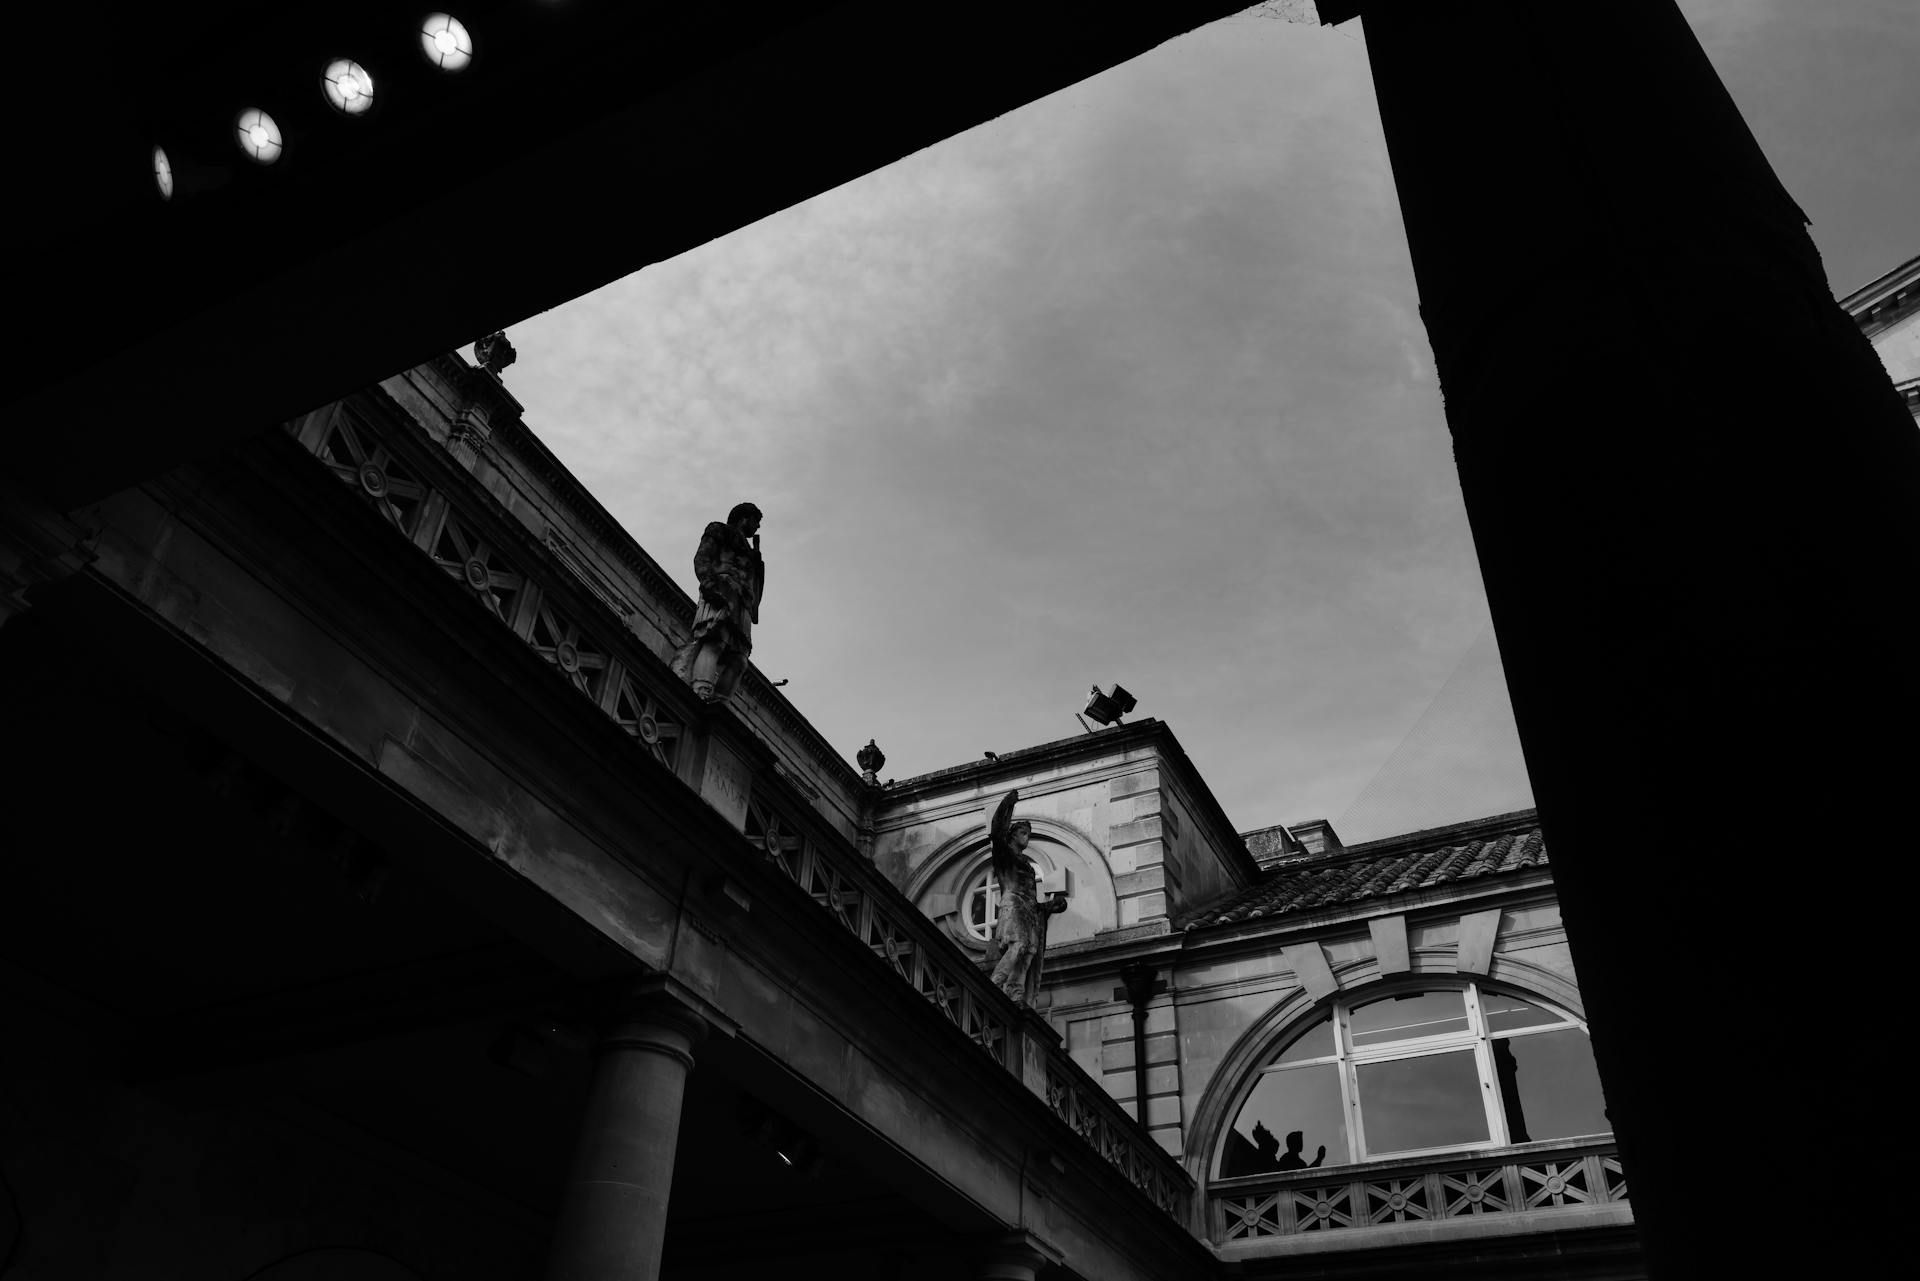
<point x="1020" y="925"/>
<point x="1000" y="834"/>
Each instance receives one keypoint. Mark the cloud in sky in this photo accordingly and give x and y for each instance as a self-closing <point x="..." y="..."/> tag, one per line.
<point x="1128" y="384"/>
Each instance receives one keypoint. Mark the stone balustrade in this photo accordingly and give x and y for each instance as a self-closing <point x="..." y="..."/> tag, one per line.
<point x="527" y="585"/>
<point x="867" y="905"/>
<point x="1536" y="1177"/>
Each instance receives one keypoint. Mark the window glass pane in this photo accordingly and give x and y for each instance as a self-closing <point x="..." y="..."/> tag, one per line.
<point x="1306" y="1100"/>
<point x="1400" y="1018"/>
<point x="1431" y="1101"/>
<point x="1504" y="1013"/>
<point x="1314" y="1043"/>
<point x="983" y="901"/>
<point x="1548" y="1086"/>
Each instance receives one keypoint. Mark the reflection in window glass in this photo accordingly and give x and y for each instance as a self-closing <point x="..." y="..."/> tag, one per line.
<point x="1450" y="1067"/>
<point x="1315" y="1043"/>
<point x="1549" y="1085"/>
<point x="1401" y="1018"/>
<point x="1505" y="1013"/>
<point x="1427" y="1102"/>
<point x="1306" y="1100"/>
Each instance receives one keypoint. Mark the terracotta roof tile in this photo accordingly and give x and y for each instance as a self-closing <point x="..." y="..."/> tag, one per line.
<point x="1354" y="876"/>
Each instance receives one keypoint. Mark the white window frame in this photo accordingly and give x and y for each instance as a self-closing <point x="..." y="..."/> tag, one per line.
<point x="981" y="882"/>
<point x="1476" y="1037"/>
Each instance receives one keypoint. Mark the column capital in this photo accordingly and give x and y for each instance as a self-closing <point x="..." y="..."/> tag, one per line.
<point x="613" y="1215"/>
<point x="1017" y="1256"/>
<point x="660" y="1016"/>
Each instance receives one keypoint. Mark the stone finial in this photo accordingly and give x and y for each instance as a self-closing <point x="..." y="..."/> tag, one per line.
<point x="870" y="759"/>
<point x="494" y="353"/>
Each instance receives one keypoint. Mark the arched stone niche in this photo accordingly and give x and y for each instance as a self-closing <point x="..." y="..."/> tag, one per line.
<point x="1066" y="858"/>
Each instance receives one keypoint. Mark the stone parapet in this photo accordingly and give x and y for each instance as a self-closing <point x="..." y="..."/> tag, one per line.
<point x="478" y="426"/>
<point x="1531" y="1188"/>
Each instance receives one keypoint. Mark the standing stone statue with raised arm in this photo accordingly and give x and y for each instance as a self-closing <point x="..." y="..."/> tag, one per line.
<point x="1020" y="934"/>
<point x="732" y="577"/>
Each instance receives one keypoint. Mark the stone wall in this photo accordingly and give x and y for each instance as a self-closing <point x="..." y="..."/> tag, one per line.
<point x="1120" y="821"/>
<point x="1234" y="1008"/>
<point x="469" y="413"/>
<point x="1899" y="348"/>
<point x="1229" y="999"/>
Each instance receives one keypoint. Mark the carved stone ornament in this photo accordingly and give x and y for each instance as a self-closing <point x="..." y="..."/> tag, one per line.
<point x="567" y="656"/>
<point x="1019" y="943"/>
<point x="372" y="479"/>
<point x="494" y="353"/>
<point x="477" y="576"/>
<point x="871" y="759"/>
<point x="732" y="578"/>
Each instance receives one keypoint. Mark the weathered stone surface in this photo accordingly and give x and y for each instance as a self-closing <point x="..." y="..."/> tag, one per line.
<point x="1310" y="968"/>
<point x="1477" y="933"/>
<point x="1389" y="935"/>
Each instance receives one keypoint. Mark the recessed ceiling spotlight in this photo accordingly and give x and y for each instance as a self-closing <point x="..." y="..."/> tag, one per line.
<point x="259" y="136"/>
<point x="444" y="39"/>
<point x="163" y="173"/>
<point x="347" y="86"/>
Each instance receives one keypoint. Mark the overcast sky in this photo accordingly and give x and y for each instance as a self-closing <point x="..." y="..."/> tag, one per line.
<point x="1130" y="385"/>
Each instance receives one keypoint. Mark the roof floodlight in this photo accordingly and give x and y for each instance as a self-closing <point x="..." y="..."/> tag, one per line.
<point x="258" y="136"/>
<point x="348" y="86"/>
<point x="444" y="39"/>
<point x="1108" y="707"/>
<point x="163" y="173"/>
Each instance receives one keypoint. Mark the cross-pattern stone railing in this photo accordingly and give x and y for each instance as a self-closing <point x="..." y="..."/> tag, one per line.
<point x="1541" y="1176"/>
<point x="1091" y="1112"/>
<point x="519" y="584"/>
<point x="523" y="584"/>
<point x="873" y="909"/>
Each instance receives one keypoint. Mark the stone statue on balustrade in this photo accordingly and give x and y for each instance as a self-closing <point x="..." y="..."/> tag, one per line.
<point x="1019" y="941"/>
<point x="732" y="577"/>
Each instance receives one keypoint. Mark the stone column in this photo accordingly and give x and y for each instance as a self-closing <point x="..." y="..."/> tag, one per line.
<point x="613" y="1215"/>
<point x="1018" y="1256"/>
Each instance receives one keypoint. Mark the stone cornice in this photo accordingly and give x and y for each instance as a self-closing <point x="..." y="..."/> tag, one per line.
<point x="513" y="436"/>
<point x="1268" y="930"/>
<point x="528" y="450"/>
<point x="479" y="386"/>
<point x="1009" y="767"/>
<point x="1107" y="953"/>
<point x="1426" y="838"/>
<point x="1865" y="304"/>
<point x="790" y="719"/>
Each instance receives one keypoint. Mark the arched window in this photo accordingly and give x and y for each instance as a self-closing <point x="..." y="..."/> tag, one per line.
<point x="1435" y="1069"/>
<point x="980" y="903"/>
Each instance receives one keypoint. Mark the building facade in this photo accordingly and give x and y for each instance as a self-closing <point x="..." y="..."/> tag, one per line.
<point x="1374" y="1056"/>
<point x="1888" y="313"/>
<point x="434" y="929"/>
